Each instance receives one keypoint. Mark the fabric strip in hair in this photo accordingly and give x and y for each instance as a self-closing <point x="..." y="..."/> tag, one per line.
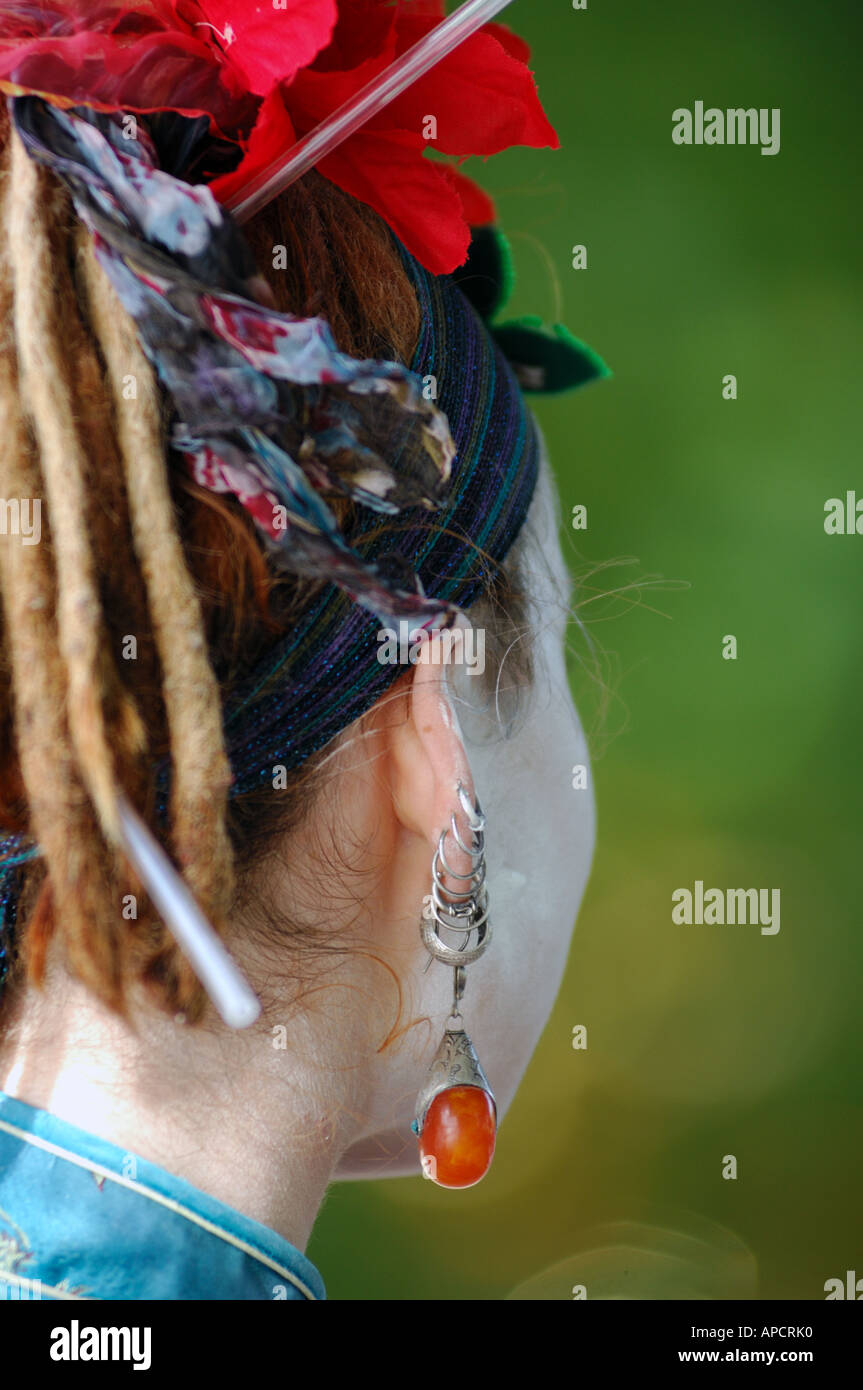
<point x="267" y="407"/>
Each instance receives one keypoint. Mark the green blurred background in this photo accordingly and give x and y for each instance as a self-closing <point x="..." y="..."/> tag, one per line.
<point x="702" y="1041"/>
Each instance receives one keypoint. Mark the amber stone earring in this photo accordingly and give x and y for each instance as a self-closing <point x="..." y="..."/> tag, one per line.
<point x="456" y="1113"/>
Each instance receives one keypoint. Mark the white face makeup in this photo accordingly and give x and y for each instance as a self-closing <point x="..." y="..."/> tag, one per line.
<point x="539" y="845"/>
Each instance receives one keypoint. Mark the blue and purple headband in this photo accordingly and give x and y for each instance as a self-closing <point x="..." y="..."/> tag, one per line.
<point x="266" y="408"/>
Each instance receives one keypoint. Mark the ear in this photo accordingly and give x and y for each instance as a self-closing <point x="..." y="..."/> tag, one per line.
<point x="428" y="758"/>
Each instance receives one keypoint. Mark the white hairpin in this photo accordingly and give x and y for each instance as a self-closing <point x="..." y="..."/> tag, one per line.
<point x="217" y="972"/>
<point x="377" y="94"/>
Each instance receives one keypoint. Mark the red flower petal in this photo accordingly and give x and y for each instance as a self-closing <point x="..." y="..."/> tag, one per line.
<point x="515" y="46"/>
<point x="483" y="100"/>
<point x="362" y="31"/>
<point x="273" y="134"/>
<point x="477" y="207"/>
<point x="414" y="195"/>
<point x="427" y="9"/>
<point x="109" y="56"/>
<point x="269" y="43"/>
<point x="420" y="200"/>
<point x="315" y="94"/>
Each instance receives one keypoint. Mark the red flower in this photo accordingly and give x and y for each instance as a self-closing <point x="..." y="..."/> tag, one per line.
<point x="113" y="56"/>
<point x="482" y="98"/>
<point x="268" y="42"/>
<point x="268" y="71"/>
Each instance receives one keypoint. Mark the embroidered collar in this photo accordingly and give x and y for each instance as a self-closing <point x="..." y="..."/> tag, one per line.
<point x="82" y="1219"/>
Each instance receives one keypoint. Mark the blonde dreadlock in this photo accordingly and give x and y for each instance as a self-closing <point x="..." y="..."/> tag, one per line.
<point x="80" y="734"/>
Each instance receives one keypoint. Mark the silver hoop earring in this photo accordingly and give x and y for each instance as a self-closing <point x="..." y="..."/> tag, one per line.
<point x="456" y="1112"/>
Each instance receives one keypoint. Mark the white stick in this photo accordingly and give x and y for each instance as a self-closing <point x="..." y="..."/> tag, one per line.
<point x="377" y="94"/>
<point x="215" y="969"/>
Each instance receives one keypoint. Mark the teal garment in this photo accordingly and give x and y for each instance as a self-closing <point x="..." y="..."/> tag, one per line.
<point x="83" y="1219"/>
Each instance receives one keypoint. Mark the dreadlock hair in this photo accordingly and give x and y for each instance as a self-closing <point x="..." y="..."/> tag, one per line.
<point x="135" y="559"/>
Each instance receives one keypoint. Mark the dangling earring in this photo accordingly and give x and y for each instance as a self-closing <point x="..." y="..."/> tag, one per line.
<point x="456" y="1113"/>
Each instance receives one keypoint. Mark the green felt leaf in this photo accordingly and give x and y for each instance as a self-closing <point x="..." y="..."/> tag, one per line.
<point x="547" y="360"/>
<point x="487" y="276"/>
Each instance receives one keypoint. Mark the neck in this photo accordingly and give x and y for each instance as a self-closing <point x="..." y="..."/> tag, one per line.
<point x="257" y="1119"/>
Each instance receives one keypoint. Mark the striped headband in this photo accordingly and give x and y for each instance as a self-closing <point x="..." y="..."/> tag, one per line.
<point x="326" y="673"/>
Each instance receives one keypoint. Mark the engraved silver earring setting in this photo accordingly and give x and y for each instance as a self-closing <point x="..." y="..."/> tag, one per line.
<point x="456" y="1112"/>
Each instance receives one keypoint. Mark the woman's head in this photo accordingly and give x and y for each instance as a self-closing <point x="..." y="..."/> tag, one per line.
<point x="318" y="868"/>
